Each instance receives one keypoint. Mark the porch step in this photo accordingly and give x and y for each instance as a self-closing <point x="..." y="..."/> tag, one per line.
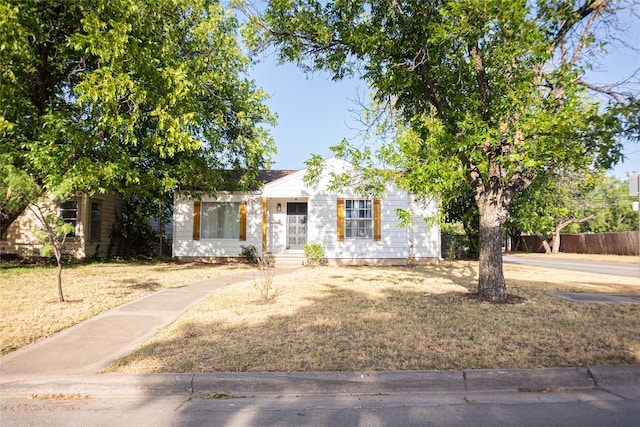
<point x="289" y="259"/>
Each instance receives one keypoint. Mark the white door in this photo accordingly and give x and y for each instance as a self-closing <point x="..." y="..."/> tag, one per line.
<point x="296" y="225"/>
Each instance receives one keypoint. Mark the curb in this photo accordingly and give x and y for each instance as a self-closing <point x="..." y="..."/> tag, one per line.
<point x="622" y="380"/>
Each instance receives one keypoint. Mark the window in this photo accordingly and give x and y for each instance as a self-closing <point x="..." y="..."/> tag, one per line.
<point x="69" y="214"/>
<point x="358" y="219"/>
<point x="220" y="220"/>
<point x="96" y="221"/>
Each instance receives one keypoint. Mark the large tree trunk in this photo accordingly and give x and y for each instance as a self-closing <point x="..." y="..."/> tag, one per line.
<point x="491" y="284"/>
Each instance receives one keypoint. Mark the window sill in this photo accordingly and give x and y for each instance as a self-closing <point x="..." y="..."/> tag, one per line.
<point x="217" y="239"/>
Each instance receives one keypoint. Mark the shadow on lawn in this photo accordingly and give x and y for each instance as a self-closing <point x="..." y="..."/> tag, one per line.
<point x="145" y="286"/>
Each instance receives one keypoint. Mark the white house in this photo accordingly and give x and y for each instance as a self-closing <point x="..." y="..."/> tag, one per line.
<point x="285" y="214"/>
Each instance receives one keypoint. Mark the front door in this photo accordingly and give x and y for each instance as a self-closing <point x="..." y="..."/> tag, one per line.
<point x="296" y="225"/>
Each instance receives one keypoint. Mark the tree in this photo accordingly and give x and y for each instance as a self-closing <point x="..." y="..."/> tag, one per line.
<point x="134" y="96"/>
<point x="577" y="201"/>
<point x="53" y="235"/>
<point x="616" y="213"/>
<point x="491" y="92"/>
<point x="556" y="201"/>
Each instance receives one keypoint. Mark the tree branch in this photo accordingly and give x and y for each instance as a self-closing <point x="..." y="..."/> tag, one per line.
<point x="587" y="8"/>
<point x="605" y="91"/>
<point x="482" y="80"/>
<point x="473" y="176"/>
<point x="583" y="38"/>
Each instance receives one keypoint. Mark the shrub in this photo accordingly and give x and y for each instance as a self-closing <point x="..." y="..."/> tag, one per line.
<point x="249" y="254"/>
<point x="314" y="254"/>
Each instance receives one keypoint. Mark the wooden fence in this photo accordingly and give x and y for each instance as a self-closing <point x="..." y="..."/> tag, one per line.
<point x="625" y="243"/>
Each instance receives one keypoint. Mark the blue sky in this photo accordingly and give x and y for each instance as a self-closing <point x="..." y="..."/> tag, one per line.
<point x="315" y="112"/>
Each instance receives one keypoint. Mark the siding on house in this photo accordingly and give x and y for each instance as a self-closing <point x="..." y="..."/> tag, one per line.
<point x="418" y="241"/>
<point x="423" y="236"/>
<point x="396" y="242"/>
<point x="183" y="228"/>
<point x="21" y="238"/>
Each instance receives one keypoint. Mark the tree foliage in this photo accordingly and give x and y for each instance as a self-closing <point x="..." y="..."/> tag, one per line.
<point x="554" y="202"/>
<point x="487" y="91"/>
<point x="616" y="213"/>
<point x="137" y="97"/>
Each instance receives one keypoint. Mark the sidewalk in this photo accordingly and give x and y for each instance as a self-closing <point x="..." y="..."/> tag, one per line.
<point x="92" y="345"/>
<point x="620" y="382"/>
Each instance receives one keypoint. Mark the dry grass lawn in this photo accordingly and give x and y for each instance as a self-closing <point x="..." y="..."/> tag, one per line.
<point x="357" y="318"/>
<point x="29" y="304"/>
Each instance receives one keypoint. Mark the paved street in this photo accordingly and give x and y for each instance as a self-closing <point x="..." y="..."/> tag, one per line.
<point x="609" y="268"/>
<point x="483" y="409"/>
<point x="595" y="396"/>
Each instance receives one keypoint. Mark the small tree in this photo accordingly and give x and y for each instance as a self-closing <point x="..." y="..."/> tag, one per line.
<point x="266" y="264"/>
<point x="53" y="237"/>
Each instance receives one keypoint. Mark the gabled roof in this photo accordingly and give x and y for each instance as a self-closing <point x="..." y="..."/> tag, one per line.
<point x="292" y="183"/>
<point x="271" y="175"/>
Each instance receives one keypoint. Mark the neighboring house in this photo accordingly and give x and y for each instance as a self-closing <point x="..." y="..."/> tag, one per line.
<point x="285" y="214"/>
<point x="93" y="218"/>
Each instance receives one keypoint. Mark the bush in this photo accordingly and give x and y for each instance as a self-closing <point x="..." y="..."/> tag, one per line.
<point x="314" y="254"/>
<point x="457" y="246"/>
<point x="249" y="254"/>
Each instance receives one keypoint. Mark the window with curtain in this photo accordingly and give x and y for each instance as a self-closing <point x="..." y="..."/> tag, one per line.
<point x="358" y="219"/>
<point x="220" y="220"/>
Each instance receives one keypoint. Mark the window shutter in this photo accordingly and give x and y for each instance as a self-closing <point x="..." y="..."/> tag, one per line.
<point x="377" y="230"/>
<point x="243" y="221"/>
<point x="340" y="221"/>
<point x="196" y="220"/>
<point x="264" y="224"/>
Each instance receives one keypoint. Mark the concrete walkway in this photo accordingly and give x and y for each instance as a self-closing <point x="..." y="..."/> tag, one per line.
<point x="93" y="344"/>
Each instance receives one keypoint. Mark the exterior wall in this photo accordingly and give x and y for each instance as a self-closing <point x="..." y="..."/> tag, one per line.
<point x="424" y="238"/>
<point x="111" y="207"/>
<point x="419" y="241"/>
<point x="277" y="223"/>
<point x="398" y="245"/>
<point x="20" y="238"/>
<point x="290" y="189"/>
<point x="185" y="247"/>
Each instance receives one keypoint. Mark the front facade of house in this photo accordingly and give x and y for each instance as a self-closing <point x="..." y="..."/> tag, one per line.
<point x="93" y="218"/>
<point x="285" y="214"/>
